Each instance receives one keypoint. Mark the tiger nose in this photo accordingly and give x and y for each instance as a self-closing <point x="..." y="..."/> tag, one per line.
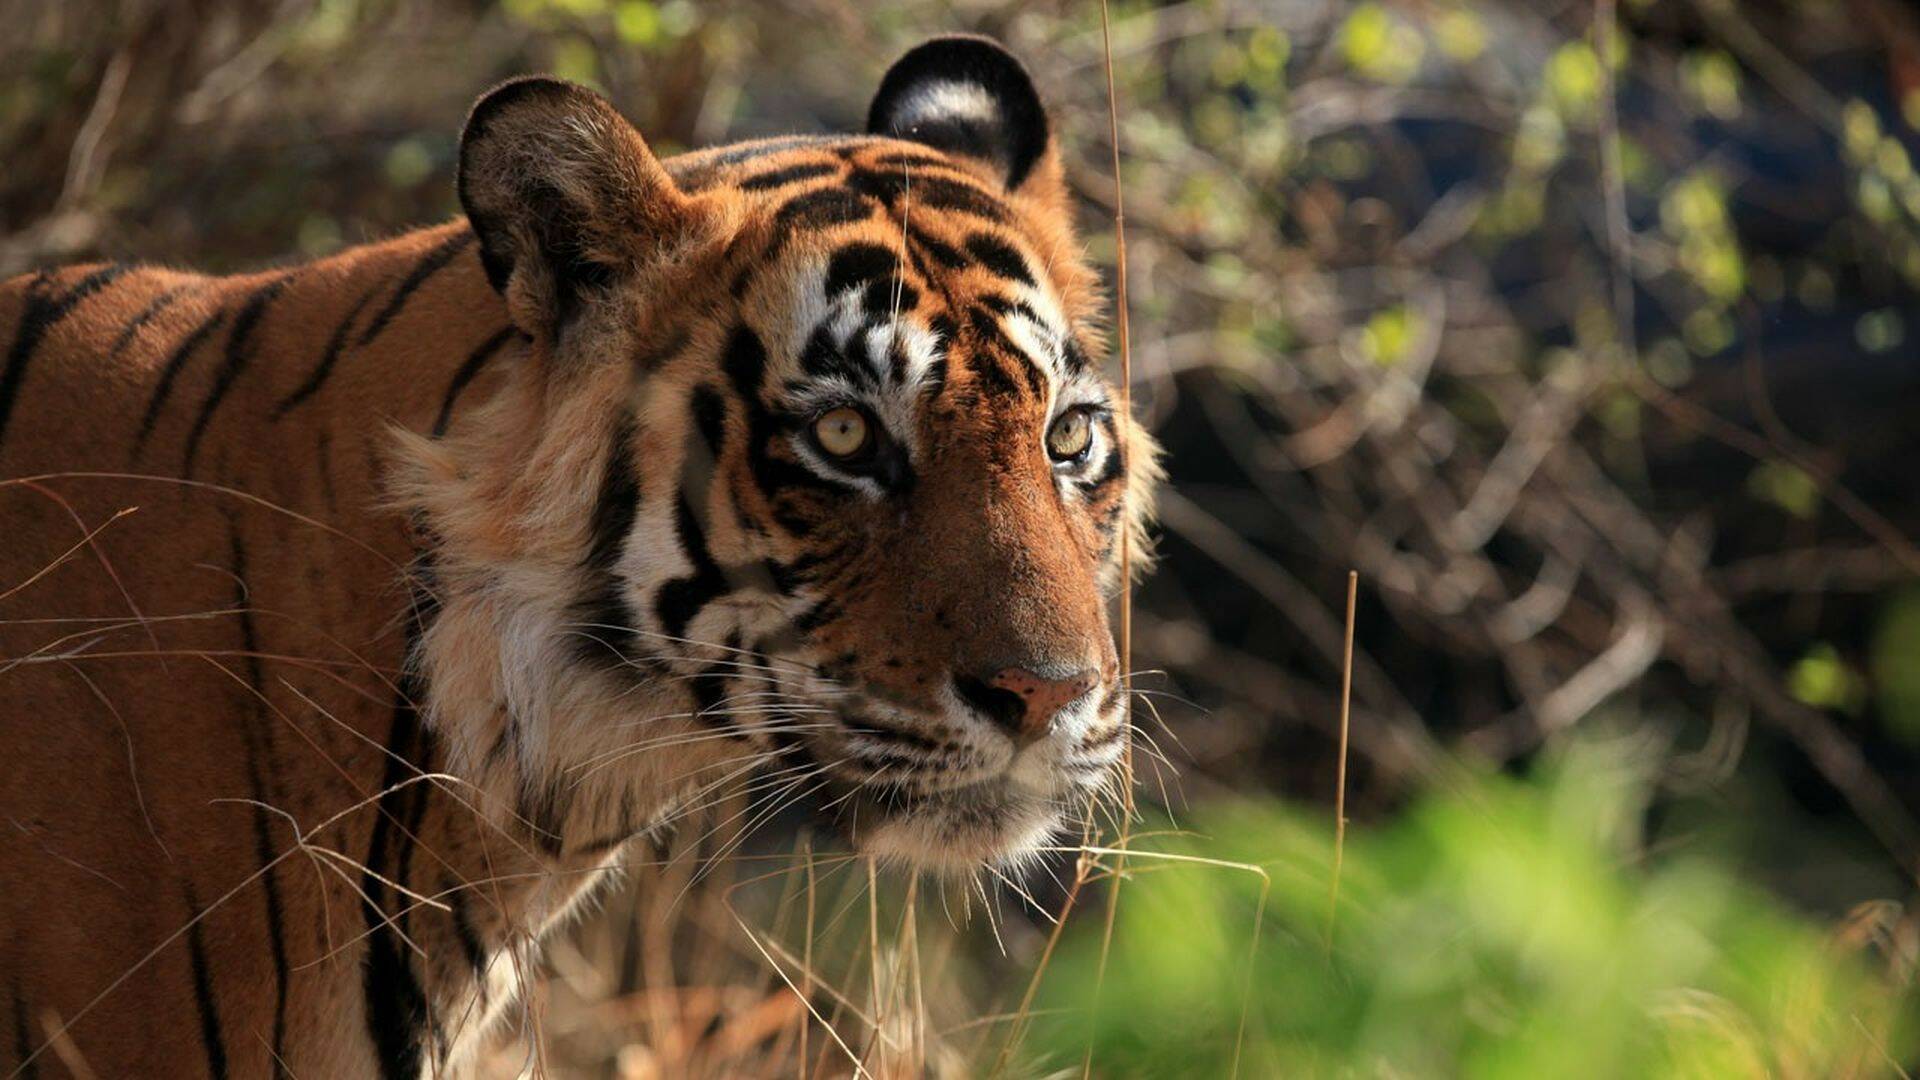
<point x="1028" y="701"/>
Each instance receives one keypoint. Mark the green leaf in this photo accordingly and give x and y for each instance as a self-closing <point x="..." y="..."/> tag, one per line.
<point x="408" y="163"/>
<point x="1821" y="679"/>
<point x="1861" y="129"/>
<point x="577" y="59"/>
<point x="1574" y="80"/>
<point x="1497" y="927"/>
<point x="1879" y="331"/>
<point x="637" y="22"/>
<point x="1379" y="46"/>
<point x="1389" y="334"/>
<point x="1461" y="35"/>
<point x="1896" y="664"/>
<point x="1787" y="486"/>
<point x="1712" y="79"/>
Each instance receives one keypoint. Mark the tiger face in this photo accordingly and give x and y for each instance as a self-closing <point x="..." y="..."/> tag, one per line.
<point x="813" y="464"/>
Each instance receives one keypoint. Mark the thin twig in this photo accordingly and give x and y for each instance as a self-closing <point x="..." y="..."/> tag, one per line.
<point x="1340" y="775"/>
<point x="1126" y="545"/>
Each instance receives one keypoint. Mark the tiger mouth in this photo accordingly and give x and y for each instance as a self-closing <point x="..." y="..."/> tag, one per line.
<point x="1000" y="815"/>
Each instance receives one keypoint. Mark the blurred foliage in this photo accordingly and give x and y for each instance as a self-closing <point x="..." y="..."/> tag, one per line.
<point x="1498" y="928"/>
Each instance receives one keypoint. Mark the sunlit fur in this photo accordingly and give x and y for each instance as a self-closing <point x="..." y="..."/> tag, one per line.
<point x="549" y="527"/>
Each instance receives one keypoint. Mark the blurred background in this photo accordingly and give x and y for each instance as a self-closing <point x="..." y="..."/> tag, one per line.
<point x="1579" y="329"/>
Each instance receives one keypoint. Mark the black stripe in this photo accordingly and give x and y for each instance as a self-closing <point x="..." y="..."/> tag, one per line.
<point x="816" y="616"/>
<point x="239" y="351"/>
<point x="857" y="264"/>
<point x="938" y="193"/>
<point x="709" y="687"/>
<point x="997" y="335"/>
<point x="210" y="1035"/>
<point x="171" y="371"/>
<point x="617" y="502"/>
<point x="276" y="933"/>
<point x="745" y="361"/>
<point x="43" y="313"/>
<point x="1115" y="466"/>
<point x="788" y="577"/>
<point x="154" y="307"/>
<point x="255" y="730"/>
<point x="818" y="209"/>
<point x="915" y="161"/>
<point x="771" y="146"/>
<point x="682" y="598"/>
<point x="1106" y="738"/>
<point x="992" y="377"/>
<point x="876" y="729"/>
<point x="466" y="374"/>
<point x="821" y="359"/>
<point x="1076" y="356"/>
<point x="884" y="298"/>
<point x="943" y="253"/>
<point x="609" y="636"/>
<point x="1004" y="307"/>
<point x="468" y="935"/>
<point x="710" y="416"/>
<point x="999" y="256"/>
<point x="930" y="192"/>
<point x="946" y="330"/>
<point x="792" y="174"/>
<point x="410" y="840"/>
<point x="703" y="170"/>
<point x="606" y="623"/>
<point x="93" y="283"/>
<point x="328" y="357"/>
<point x="23" y="1035"/>
<point x="429" y="263"/>
<point x="996" y="345"/>
<point x="395" y="1005"/>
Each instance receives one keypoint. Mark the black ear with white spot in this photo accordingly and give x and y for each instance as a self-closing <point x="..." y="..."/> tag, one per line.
<point x="964" y="95"/>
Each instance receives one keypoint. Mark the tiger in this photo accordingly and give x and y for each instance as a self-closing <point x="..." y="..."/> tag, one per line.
<point x="359" y="616"/>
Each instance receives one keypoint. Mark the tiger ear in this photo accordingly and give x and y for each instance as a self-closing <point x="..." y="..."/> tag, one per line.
<point x="564" y="195"/>
<point x="968" y="96"/>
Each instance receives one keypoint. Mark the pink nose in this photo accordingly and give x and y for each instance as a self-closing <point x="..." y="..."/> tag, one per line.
<point x="1041" y="696"/>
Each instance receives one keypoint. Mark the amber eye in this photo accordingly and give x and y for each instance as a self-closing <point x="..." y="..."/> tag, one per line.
<point x="842" y="432"/>
<point x="1070" y="435"/>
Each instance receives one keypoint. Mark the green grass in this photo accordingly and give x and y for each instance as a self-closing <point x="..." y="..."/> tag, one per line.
<point x="1501" y="928"/>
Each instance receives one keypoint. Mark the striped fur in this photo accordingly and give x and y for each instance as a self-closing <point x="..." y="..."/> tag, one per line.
<point x="461" y="560"/>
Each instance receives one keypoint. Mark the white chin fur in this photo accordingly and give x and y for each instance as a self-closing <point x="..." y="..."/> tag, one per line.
<point x="954" y="839"/>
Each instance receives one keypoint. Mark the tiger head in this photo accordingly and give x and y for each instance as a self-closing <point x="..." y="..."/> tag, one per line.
<point x="809" y="459"/>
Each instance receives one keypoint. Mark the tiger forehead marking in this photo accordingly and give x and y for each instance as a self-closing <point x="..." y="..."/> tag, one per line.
<point x="782" y="465"/>
<point x="876" y="308"/>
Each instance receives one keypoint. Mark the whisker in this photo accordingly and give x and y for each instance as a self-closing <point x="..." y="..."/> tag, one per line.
<point x="608" y="758"/>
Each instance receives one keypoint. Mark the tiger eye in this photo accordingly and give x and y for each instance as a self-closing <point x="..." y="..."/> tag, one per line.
<point x="842" y="432"/>
<point x="1070" y="435"/>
